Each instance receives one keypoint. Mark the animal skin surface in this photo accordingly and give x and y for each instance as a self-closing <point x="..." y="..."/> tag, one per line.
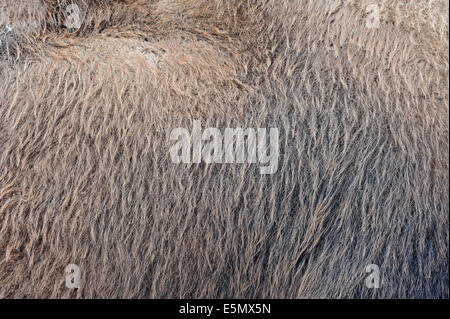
<point x="87" y="179"/>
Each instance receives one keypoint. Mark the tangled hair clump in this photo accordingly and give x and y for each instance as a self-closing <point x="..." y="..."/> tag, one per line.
<point x="86" y="176"/>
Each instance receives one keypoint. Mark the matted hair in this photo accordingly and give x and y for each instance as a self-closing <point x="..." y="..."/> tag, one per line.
<point x="357" y="89"/>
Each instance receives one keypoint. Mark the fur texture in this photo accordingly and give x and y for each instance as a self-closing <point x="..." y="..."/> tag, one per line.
<point x="85" y="170"/>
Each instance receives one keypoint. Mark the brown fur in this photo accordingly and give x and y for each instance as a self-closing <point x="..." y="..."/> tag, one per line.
<point x="86" y="176"/>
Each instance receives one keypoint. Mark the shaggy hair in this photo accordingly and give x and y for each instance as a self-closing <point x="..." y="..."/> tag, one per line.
<point x="86" y="176"/>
